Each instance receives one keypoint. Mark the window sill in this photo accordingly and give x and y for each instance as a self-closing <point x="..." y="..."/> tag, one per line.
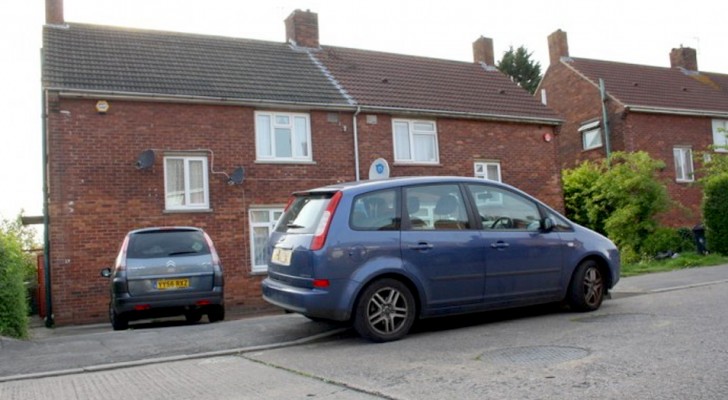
<point x="592" y="148"/>
<point x="302" y="162"/>
<point x="187" y="210"/>
<point x="416" y="164"/>
<point x="258" y="273"/>
<point x="684" y="181"/>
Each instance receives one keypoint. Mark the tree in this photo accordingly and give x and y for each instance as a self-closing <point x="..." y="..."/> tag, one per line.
<point x="518" y="65"/>
<point x="16" y="268"/>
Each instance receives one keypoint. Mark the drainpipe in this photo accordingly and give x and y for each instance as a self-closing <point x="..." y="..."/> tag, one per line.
<point x="603" y="93"/>
<point x="46" y="218"/>
<point x="356" y="144"/>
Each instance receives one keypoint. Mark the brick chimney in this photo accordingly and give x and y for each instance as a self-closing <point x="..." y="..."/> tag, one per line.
<point x="684" y="57"/>
<point x="302" y="29"/>
<point x="483" y="51"/>
<point x="54" y="12"/>
<point x="558" y="46"/>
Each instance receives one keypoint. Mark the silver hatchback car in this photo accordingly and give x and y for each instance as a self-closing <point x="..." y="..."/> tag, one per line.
<point x="163" y="272"/>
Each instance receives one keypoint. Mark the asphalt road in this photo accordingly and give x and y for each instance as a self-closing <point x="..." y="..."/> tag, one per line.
<point x="662" y="336"/>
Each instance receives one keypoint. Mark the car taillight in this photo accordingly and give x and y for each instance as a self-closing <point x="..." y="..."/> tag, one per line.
<point x="322" y="230"/>
<point x="121" y="260"/>
<point x="290" y="201"/>
<point x="215" y="257"/>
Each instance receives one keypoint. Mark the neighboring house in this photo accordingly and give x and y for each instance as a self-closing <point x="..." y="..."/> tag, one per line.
<point x="147" y="128"/>
<point x="671" y="113"/>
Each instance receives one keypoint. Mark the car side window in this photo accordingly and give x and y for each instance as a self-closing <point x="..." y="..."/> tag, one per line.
<point x="500" y="209"/>
<point x="376" y="211"/>
<point x="435" y="207"/>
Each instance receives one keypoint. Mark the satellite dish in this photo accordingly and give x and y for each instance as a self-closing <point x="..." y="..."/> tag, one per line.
<point x="237" y="176"/>
<point x="379" y="169"/>
<point x="145" y="159"/>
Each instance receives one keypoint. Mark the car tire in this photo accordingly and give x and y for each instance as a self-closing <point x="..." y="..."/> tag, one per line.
<point x="586" y="291"/>
<point x="119" y="322"/>
<point x="216" y="313"/>
<point x="193" y="316"/>
<point x="385" y="311"/>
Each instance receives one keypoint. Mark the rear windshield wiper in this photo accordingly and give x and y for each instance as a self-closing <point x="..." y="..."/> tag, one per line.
<point x="176" y="253"/>
<point x="294" y="226"/>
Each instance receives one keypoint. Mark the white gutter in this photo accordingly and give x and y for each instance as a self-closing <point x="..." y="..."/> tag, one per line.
<point x="115" y="95"/>
<point x="678" y="111"/>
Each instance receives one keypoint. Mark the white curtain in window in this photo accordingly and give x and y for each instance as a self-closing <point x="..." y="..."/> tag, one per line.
<point x="401" y="141"/>
<point x="263" y="136"/>
<point x="424" y="147"/>
<point x="197" y="182"/>
<point x="175" y="192"/>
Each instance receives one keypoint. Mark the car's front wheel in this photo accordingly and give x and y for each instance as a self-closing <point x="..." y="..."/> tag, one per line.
<point x="119" y="322"/>
<point x="586" y="291"/>
<point x="385" y="311"/>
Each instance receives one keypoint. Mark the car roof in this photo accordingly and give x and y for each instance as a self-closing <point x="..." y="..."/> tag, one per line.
<point x="398" y="181"/>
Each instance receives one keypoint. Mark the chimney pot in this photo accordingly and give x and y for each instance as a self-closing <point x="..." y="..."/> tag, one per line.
<point x="483" y="51"/>
<point x="302" y="29"/>
<point x="558" y="46"/>
<point x="54" y="12"/>
<point x="684" y="57"/>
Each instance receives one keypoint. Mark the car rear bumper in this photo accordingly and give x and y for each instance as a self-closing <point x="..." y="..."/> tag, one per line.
<point x="169" y="303"/>
<point x="311" y="302"/>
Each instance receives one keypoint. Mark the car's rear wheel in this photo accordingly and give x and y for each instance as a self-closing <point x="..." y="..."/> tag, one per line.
<point x="119" y="322"/>
<point x="586" y="291"/>
<point x="385" y="311"/>
<point x="216" y="313"/>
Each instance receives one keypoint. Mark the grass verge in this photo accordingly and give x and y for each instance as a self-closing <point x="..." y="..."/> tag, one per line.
<point x="683" y="260"/>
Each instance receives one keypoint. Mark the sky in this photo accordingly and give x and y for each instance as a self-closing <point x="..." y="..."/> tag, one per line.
<point x="636" y="31"/>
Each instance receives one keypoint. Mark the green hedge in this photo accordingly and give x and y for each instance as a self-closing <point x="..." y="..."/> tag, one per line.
<point x="715" y="212"/>
<point x="13" y="295"/>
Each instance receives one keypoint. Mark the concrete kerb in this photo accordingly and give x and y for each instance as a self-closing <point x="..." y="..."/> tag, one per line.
<point x="149" y="361"/>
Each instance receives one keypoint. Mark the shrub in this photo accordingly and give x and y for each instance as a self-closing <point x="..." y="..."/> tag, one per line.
<point x="619" y="197"/>
<point x="665" y="240"/>
<point x="715" y="212"/>
<point x="13" y="295"/>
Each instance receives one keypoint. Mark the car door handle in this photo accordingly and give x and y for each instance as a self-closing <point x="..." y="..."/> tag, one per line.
<point x="422" y="246"/>
<point x="499" y="245"/>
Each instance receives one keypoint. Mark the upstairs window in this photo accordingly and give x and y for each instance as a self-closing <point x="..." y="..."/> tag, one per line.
<point x="683" y="164"/>
<point x="591" y="135"/>
<point x="185" y="183"/>
<point x="415" y="141"/>
<point x="282" y="137"/>
<point x="720" y="135"/>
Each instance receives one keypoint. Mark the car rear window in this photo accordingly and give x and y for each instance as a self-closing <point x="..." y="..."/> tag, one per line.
<point x="167" y="244"/>
<point x="304" y="213"/>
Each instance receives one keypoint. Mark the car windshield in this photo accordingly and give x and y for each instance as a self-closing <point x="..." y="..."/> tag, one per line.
<point x="304" y="213"/>
<point x="162" y="243"/>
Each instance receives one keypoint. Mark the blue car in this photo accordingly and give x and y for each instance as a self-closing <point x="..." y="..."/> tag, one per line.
<point x="384" y="253"/>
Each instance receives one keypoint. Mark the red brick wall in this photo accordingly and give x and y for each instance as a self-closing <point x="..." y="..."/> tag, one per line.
<point x="658" y="134"/>
<point x="578" y="100"/>
<point x="97" y="195"/>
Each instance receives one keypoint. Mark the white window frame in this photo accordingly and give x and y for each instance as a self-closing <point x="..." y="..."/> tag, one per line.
<point x="265" y="142"/>
<point x="684" y="168"/>
<point x="412" y="134"/>
<point x="270" y="225"/>
<point x="590" y="131"/>
<point x="187" y="203"/>
<point x="720" y="130"/>
<point x="483" y="173"/>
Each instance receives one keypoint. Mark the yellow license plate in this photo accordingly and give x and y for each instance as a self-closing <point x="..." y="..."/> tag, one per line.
<point x="164" y="284"/>
<point x="282" y="256"/>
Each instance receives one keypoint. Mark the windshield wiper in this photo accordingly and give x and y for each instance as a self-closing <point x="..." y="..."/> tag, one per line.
<point x="294" y="226"/>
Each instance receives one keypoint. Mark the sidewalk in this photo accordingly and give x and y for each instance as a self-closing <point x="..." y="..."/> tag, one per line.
<point x="75" y="349"/>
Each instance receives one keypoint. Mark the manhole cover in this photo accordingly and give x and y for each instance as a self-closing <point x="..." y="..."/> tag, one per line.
<point x="626" y="317"/>
<point x="534" y="355"/>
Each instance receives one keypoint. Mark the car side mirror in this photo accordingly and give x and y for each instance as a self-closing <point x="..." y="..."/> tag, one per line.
<point x="547" y="225"/>
<point x="106" y="272"/>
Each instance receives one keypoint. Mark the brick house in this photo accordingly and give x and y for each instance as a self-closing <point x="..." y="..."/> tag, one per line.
<point x="671" y="113"/>
<point x="147" y="128"/>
